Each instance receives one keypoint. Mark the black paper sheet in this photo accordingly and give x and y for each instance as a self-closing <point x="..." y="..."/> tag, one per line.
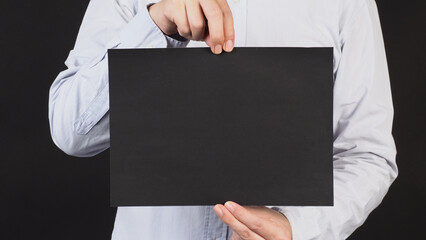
<point x="253" y="126"/>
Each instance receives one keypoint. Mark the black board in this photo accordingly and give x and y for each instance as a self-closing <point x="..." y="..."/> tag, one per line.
<point x="192" y="128"/>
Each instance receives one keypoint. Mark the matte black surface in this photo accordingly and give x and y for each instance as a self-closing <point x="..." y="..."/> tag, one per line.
<point x="254" y="126"/>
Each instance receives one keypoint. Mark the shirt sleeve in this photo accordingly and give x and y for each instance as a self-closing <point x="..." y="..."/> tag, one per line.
<point x="363" y="148"/>
<point x="79" y="96"/>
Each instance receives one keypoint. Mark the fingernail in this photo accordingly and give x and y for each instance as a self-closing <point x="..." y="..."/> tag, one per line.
<point x="218" y="49"/>
<point x="229" y="206"/>
<point x="229" y="45"/>
<point x="218" y="211"/>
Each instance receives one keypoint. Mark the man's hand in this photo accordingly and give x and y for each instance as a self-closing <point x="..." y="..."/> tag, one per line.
<point x="208" y="20"/>
<point x="254" y="223"/>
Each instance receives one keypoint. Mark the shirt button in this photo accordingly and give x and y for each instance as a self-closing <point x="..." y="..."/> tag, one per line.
<point x="149" y="46"/>
<point x="236" y="1"/>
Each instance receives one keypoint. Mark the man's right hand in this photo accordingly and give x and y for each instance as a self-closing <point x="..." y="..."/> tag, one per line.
<point x="201" y="20"/>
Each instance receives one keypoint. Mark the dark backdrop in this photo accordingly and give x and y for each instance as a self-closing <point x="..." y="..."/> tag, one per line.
<point x="48" y="195"/>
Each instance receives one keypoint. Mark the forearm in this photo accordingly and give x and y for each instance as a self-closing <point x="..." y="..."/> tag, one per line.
<point x="79" y="96"/>
<point x="359" y="187"/>
<point x="363" y="149"/>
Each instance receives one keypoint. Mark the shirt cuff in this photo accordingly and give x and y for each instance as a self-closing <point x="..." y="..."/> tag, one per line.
<point x="303" y="221"/>
<point x="176" y="42"/>
<point x="142" y="32"/>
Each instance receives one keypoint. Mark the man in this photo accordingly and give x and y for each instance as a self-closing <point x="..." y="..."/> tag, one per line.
<point x="363" y="149"/>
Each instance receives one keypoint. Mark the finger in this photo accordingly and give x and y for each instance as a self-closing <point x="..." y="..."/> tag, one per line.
<point x="252" y="220"/>
<point x="214" y="16"/>
<point x="228" y="26"/>
<point x="181" y="21"/>
<point x="237" y="227"/>
<point x="196" y="20"/>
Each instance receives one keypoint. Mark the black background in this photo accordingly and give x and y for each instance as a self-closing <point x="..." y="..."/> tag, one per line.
<point x="48" y="195"/>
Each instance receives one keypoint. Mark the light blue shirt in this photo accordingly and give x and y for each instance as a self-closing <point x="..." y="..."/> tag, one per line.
<point x="363" y="149"/>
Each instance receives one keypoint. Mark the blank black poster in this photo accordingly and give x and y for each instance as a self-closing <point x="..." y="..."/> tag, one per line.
<point x="192" y="128"/>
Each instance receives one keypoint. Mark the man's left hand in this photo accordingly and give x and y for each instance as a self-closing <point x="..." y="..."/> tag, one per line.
<point x="254" y="222"/>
